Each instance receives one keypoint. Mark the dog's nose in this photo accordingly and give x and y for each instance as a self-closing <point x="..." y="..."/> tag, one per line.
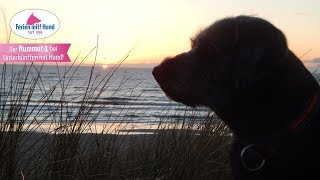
<point x="155" y="71"/>
<point x="158" y="74"/>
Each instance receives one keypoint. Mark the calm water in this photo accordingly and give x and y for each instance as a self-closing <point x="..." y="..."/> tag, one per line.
<point x="129" y="95"/>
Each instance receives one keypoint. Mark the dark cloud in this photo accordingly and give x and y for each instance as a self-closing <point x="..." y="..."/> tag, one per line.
<point x="315" y="60"/>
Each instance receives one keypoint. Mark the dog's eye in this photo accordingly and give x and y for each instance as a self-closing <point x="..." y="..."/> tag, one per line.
<point x="212" y="47"/>
<point x="208" y="49"/>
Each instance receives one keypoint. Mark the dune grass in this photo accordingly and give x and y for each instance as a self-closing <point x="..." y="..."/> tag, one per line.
<point x="69" y="148"/>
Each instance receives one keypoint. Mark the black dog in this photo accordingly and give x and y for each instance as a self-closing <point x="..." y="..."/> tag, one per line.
<point x="242" y="69"/>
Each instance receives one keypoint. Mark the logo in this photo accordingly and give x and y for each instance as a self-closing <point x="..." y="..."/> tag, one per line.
<point x="34" y="24"/>
<point x="32" y="20"/>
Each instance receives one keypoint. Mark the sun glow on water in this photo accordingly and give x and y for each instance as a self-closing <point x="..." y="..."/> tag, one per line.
<point x="105" y="66"/>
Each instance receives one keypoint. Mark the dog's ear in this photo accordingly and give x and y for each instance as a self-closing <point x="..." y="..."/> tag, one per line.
<point x="244" y="68"/>
<point x="258" y="48"/>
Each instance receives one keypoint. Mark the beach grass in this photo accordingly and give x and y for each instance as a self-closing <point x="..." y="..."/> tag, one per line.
<point x="71" y="147"/>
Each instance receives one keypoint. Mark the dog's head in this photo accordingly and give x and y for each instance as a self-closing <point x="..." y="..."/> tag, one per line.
<point x="230" y="55"/>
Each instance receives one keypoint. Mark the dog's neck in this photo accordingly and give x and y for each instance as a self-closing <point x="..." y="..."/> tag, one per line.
<point x="273" y="104"/>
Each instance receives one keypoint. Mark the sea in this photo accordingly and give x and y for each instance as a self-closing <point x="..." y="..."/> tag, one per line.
<point x="47" y="97"/>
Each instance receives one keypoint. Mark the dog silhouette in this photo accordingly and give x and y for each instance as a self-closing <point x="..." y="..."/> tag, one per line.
<point x="242" y="68"/>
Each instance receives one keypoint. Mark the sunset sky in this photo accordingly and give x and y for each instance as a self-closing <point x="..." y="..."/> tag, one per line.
<point x="156" y="29"/>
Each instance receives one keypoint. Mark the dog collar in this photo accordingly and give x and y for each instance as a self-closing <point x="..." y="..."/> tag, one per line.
<point x="307" y="112"/>
<point x="254" y="156"/>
